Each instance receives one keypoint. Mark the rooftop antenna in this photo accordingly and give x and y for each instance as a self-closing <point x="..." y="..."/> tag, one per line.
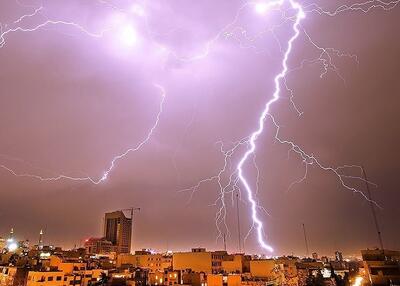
<point x="373" y="210"/>
<point x="305" y="239"/>
<point x="238" y="222"/>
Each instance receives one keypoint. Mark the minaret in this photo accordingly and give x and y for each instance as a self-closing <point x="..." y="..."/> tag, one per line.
<point x="40" y="244"/>
<point x="11" y="233"/>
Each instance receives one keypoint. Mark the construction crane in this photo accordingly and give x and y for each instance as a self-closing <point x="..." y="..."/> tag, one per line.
<point x="305" y="239"/>
<point x="132" y="210"/>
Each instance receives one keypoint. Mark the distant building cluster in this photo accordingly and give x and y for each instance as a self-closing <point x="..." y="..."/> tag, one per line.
<point x="108" y="261"/>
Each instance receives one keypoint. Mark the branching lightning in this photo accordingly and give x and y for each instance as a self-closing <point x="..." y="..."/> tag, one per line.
<point x="113" y="161"/>
<point x="293" y="12"/>
<point x="3" y="34"/>
<point x="327" y="64"/>
<point x="252" y="141"/>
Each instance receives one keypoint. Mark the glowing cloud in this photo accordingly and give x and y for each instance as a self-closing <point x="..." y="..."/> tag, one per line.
<point x="127" y="36"/>
<point x="261" y="7"/>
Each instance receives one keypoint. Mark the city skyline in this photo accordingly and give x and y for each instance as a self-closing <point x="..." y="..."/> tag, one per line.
<point x="80" y="92"/>
<point x="117" y="241"/>
<point x="97" y="265"/>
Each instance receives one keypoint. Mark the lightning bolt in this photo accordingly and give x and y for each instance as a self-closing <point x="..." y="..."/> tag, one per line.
<point x="253" y="137"/>
<point x="113" y="161"/>
<point x="365" y="7"/>
<point x="327" y="64"/>
<point x="4" y="31"/>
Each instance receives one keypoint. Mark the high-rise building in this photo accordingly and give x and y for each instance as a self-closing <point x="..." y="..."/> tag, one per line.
<point x="40" y="242"/>
<point x="118" y="230"/>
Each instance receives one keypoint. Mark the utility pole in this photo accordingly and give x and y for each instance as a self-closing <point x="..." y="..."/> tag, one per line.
<point x="238" y="223"/>
<point x="373" y="210"/>
<point x="305" y="239"/>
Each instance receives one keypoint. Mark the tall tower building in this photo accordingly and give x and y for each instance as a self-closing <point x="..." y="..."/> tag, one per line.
<point x="40" y="242"/>
<point x="118" y="230"/>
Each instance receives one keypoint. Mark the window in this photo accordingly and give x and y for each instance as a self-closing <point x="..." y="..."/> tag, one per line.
<point x="58" y="278"/>
<point x="50" y="278"/>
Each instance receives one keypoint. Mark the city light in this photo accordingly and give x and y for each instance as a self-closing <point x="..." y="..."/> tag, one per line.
<point x="12" y="246"/>
<point x="45" y="254"/>
<point x="358" y="281"/>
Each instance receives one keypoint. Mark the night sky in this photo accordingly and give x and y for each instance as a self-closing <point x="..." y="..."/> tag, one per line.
<point x="70" y="102"/>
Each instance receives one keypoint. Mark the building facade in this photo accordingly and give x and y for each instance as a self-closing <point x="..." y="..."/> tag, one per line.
<point x="98" y="246"/>
<point x="199" y="260"/>
<point x="118" y="230"/>
<point x="153" y="262"/>
<point x="382" y="267"/>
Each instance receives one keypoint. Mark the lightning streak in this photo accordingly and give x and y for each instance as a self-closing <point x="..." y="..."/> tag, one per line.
<point x="141" y="144"/>
<point x="365" y="7"/>
<point x="113" y="161"/>
<point x="327" y="64"/>
<point x="3" y="34"/>
<point x="252" y="141"/>
<point x="34" y="13"/>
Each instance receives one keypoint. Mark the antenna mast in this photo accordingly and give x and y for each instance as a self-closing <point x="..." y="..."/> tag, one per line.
<point x="305" y="239"/>
<point x="238" y="223"/>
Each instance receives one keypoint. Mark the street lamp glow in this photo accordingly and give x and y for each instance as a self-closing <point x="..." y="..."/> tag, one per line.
<point x="12" y="247"/>
<point x="358" y="281"/>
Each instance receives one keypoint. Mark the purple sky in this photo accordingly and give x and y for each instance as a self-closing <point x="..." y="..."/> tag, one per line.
<point x="70" y="102"/>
